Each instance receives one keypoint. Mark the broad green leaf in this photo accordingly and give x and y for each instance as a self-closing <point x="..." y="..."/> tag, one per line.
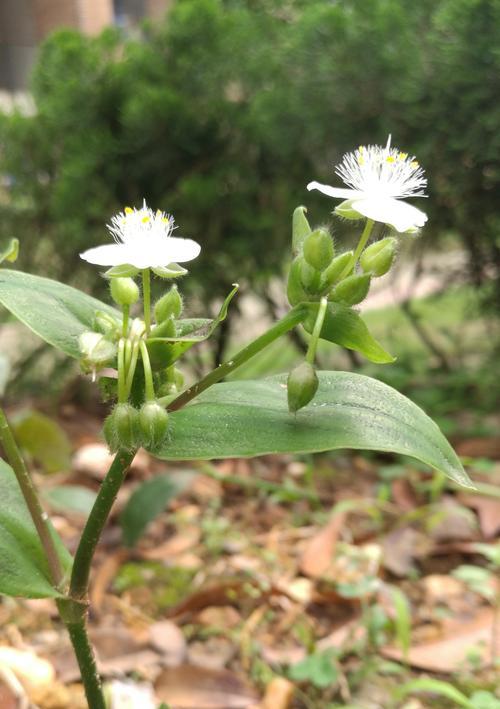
<point x="146" y="503"/>
<point x="57" y="313"/>
<point x="43" y="439"/>
<point x="10" y="252"/>
<point x="249" y="418"/>
<point x="23" y="568"/>
<point x="345" y="327"/>
<point x="71" y="498"/>
<point x="164" y="351"/>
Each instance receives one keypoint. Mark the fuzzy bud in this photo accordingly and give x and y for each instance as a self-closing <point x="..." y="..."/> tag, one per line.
<point x="310" y="277"/>
<point x="295" y="290"/>
<point x="153" y="424"/>
<point x="169" y="305"/>
<point x="124" y="291"/>
<point x="336" y="269"/>
<point x="300" y="228"/>
<point x="318" y="249"/>
<point x="352" y="290"/>
<point x="165" y="329"/>
<point x="378" y="258"/>
<point x="121" y="428"/>
<point x="302" y="385"/>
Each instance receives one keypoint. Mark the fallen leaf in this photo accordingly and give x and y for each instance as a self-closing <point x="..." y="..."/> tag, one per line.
<point x="318" y="554"/>
<point x="192" y="687"/>
<point x="177" y="544"/>
<point x="279" y="694"/>
<point x="404" y="495"/>
<point x="454" y="522"/>
<point x="29" y="669"/>
<point x="449" y="652"/>
<point x="215" y="653"/>
<point x="485" y="447"/>
<point x="103" y="576"/>
<point x="167" y="638"/>
<point x="400" y="549"/>
<point x="128" y="695"/>
<point x="488" y="512"/>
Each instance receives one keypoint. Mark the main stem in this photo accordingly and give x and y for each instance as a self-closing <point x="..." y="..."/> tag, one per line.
<point x="39" y="517"/>
<point x="86" y="662"/>
<point x="95" y="523"/>
<point x="291" y="320"/>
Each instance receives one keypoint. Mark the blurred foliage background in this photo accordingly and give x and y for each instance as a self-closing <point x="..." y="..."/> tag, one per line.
<point x="223" y="113"/>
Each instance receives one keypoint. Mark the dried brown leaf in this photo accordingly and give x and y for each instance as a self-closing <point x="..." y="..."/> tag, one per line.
<point x="318" y="554"/>
<point x="192" y="687"/>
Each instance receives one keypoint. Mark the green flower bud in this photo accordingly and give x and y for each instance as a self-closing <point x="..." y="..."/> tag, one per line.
<point x="318" y="249"/>
<point x="309" y="276"/>
<point x="153" y="424"/>
<point x="345" y="210"/>
<point x="121" y="428"/>
<point x="96" y="351"/>
<point x="302" y="385"/>
<point x="169" y="305"/>
<point x="165" y="329"/>
<point x="107" y="325"/>
<point x="352" y="290"/>
<point x="336" y="269"/>
<point x="379" y="257"/>
<point x="300" y="229"/>
<point x="295" y="291"/>
<point x="124" y="291"/>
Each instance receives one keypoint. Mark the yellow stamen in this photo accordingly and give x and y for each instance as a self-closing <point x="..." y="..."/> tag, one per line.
<point x="361" y="149"/>
<point x="414" y="164"/>
<point x="145" y="220"/>
<point x="402" y="156"/>
<point x="128" y="210"/>
<point x="165" y="219"/>
<point x="390" y="158"/>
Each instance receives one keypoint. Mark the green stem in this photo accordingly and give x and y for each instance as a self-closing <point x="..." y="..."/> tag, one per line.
<point x="126" y="313"/>
<point x="86" y="662"/>
<point x="146" y="297"/>
<point x="121" y="372"/>
<point x="291" y="320"/>
<point x="313" y="343"/>
<point x="39" y="517"/>
<point x="95" y="523"/>
<point x="131" y="369"/>
<point x="149" y="390"/>
<point x="359" y="248"/>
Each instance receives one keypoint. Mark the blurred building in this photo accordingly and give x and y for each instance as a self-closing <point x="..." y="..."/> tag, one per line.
<point x="25" y="23"/>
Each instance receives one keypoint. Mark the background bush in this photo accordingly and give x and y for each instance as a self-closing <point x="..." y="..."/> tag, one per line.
<point x="224" y="112"/>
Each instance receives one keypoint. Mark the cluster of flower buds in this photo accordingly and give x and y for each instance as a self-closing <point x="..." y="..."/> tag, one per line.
<point x="317" y="271"/>
<point x="127" y="427"/>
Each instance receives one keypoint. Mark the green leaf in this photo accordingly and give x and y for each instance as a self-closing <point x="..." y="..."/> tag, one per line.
<point x="43" y="439"/>
<point x="436" y="686"/>
<point x="57" y="313"/>
<point x="23" y="567"/>
<point x="164" y="351"/>
<point x="10" y="252"/>
<point x="249" y="418"/>
<point x="345" y="327"/>
<point x="146" y="503"/>
<point x="71" y="498"/>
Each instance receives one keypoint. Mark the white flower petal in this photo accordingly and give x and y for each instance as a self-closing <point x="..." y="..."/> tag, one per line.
<point x="400" y="215"/>
<point x="335" y="191"/>
<point x="107" y="255"/>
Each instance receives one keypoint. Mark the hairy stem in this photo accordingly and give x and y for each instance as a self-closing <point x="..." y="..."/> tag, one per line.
<point x="86" y="662"/>
<point x="359" y="248"/>
<point x="95" y="523"/>
<point x="291" y="320"/>
<point x="39" y="517"/>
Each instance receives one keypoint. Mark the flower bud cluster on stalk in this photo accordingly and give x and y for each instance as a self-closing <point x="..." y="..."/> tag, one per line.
<point x="140" y="349"/>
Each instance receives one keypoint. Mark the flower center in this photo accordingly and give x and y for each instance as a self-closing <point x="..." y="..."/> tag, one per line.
<point x="384" y="172"/>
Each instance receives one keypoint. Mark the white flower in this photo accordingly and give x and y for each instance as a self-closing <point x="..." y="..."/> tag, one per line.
<point x="378" y="179"/>
<point x="144" y="240"/>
